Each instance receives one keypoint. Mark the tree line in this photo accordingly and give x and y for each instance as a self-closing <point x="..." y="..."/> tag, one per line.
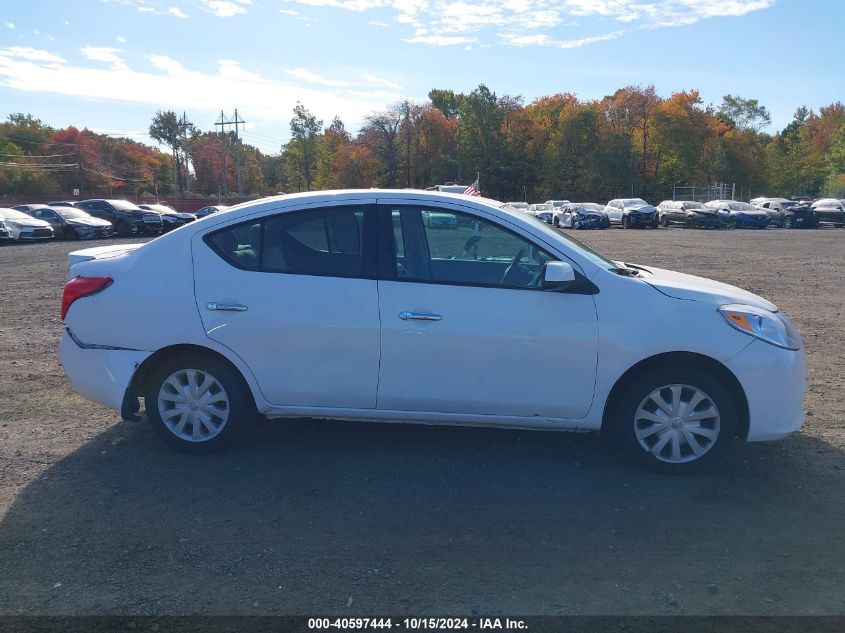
<point x="633" y="142"/>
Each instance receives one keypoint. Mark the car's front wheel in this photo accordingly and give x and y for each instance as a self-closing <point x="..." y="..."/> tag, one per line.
<point x="788" y="222"/>
<point x="626" y="223"/>
<point x="674" y="419"/>
<point x="197" y="404"/>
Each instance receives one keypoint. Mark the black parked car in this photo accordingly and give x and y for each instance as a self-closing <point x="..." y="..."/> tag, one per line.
<point x="217" y="208"/>
<point x="71" y="223"/>
<point x="789" y="214"/>
<point x="830" y="210"/>
<point x="691" y="214"/>
<point x="128" y="219"/>
<point x="170" y="217"/>
<point x="63" y="203"/>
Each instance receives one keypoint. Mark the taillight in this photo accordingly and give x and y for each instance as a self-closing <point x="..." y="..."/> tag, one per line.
<point x="79" y="287"/>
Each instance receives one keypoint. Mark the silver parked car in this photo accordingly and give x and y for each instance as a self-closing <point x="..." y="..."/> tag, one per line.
<point x="581" y="215"/>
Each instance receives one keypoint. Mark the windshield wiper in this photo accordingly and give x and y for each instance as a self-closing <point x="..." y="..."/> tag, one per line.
<point x="625" y="272"/>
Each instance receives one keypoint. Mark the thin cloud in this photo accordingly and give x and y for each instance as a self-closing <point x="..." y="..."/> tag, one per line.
<point x="225" y="8"/>
<point x="177" y="12"/>
<point x="537" y="22"/>
<point x="105" y="54"/>
<point x="31" y="54"/>
<point x="168" y="83"/>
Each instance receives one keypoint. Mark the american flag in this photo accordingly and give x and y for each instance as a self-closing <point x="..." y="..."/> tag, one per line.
<point x="473" y="189"/>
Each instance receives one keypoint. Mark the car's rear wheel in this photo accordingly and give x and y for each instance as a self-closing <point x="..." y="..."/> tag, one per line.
<point x="556" y="222"/>
<point x="665" y="221"/>
<point x="197" y="404"/>
<point x="123" y="229"/>
<point x="571" y="222"/>
<point x="674" y="419"/>
<point x="788" y="222"/>
<point x="732" y="223"/>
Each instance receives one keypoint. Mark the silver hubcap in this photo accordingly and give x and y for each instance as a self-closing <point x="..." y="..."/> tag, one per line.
<point x="193" y="405"/>
<point x="677" y="423"/>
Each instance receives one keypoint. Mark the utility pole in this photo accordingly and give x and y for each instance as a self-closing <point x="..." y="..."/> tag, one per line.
<point x="183" y="128"/>
<point x="237" y="122"/>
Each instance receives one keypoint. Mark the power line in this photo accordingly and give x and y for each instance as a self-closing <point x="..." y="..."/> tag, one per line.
<point x="237" y="123"/>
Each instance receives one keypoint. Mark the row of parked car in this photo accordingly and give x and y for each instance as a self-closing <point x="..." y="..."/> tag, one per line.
<point x="759" y="213"/>
<point x="92" y="219"/>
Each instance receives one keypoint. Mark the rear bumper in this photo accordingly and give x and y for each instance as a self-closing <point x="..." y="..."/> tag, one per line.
<point x="775" y="382"/>
<point x="99" y="375"/>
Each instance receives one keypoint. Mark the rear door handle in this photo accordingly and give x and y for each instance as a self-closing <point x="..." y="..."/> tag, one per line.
<point x="420" y="316"/>
<point x="225" y="307"/>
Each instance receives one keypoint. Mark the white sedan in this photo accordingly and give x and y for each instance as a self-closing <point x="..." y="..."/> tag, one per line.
<point x="22" y="227"/>
<point x="346" y="305"/>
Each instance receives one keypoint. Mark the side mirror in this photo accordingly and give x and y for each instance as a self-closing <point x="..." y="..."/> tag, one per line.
<point x="557" y="275"/>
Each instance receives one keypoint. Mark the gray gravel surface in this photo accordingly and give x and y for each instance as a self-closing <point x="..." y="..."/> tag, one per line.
<point x="98" y="517"/>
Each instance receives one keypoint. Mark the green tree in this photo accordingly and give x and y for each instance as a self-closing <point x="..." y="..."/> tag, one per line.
<point x="167" y="130"/>
<point x="745" y="114"/>
<point x="300" y="153"/>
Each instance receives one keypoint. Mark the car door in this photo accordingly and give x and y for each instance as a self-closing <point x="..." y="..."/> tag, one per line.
<point x="294" y="294"/>
<point x="464" y="329"/>
<point x="50" y="217"/>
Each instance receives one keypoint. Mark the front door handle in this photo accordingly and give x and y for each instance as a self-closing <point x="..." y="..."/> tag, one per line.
<point x="420" y="316"/>
<point x="225" y="307"/>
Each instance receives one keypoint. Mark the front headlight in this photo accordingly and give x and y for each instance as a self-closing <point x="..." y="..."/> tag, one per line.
<point x="772" y="327"/>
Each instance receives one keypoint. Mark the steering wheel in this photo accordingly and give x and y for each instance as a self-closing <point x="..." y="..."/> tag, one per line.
<point x="513" y="266"/>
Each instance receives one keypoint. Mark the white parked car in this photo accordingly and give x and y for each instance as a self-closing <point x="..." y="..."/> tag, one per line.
<point x="346" y="305"/>
<point x="519" y="206"/>
<point x="557" y="203"/>
<point x="543" y="212"/>
<point x="22" y="227"/>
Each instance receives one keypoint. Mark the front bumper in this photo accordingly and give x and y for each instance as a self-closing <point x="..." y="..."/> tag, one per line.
<point x="36" y="234"/>
<point x="146" y="228"/>
<point x="775" y="382"/>
<point x="99" y="375"/>
<point x="747" y="222"/>
<point x="709" y="221"/>
<point x="590" y="222"/>
<point x="642" y="219"/>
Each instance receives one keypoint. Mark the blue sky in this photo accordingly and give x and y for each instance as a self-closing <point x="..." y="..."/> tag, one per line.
<point x="109" y="64"/>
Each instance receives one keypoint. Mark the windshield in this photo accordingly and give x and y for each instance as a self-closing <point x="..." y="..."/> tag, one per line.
<point x="742" y="206"/>
<point x="67" y="212"/>
<point x="634" y="202"/>
<point x="693" y="205"/>
<point x="161" y="208"/>
<point x="595" y="257"/>
<point x="11" y="214"/>
<point x="543" y="207"/>
<point x="590" y="206"/>
<point x="124" y="205"/>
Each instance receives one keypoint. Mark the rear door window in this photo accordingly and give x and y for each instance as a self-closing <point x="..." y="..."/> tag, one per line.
<point x="327" y="242"/>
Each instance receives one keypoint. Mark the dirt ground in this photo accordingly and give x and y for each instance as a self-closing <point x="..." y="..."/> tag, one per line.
<point x="98" y="517"/>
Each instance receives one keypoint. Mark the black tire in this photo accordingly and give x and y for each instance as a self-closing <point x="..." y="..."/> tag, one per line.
<point x="621" y="423"/>
<point x="665" y="221"/>
<point x="732" y="223"/>
<point x="691" y="224"/>
<point x="239" y="411"/>
<point x="606" y="223"/>
<point x="123" y="229"/>
<point x="556" y="222"/>
<point x="571" y="222"/>
<point x="788" y="222"/>
<point x="626" y="223"/>
<point x="69" y="233"/>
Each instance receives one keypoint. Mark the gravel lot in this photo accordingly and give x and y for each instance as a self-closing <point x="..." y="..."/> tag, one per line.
<point x="98" y="517"/>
